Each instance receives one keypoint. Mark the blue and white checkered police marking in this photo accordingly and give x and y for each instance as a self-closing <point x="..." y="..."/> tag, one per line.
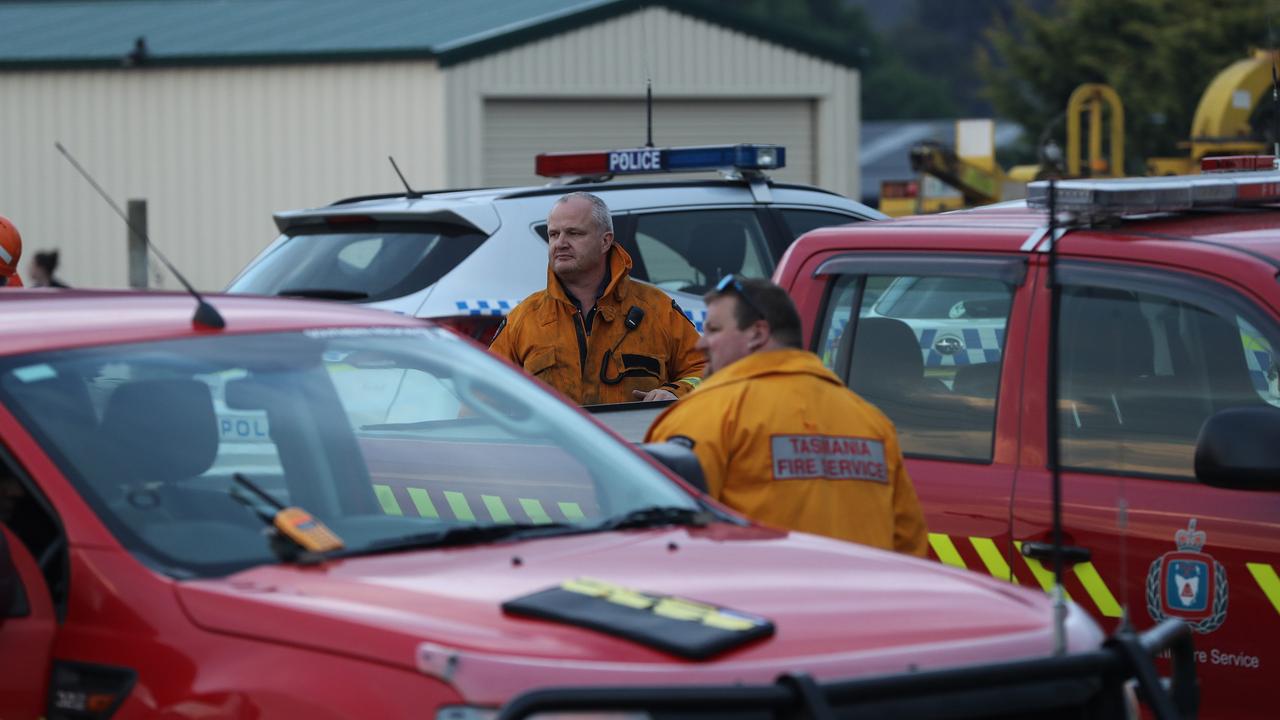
<point x="980" y="345"/>
<point x="696" y="317"/>
<point x="496" y="308"/>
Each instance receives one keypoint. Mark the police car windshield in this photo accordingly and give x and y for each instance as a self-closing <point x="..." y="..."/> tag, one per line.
<point x="361" y="261"/>
<point x="379" y="433"/>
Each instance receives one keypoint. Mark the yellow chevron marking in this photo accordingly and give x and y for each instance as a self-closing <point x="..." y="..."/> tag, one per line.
<point x="387" y="499"/>
<point x="458" y="504"/>
<point x="992" y="558"/>
<point x="1043" y="575"/>
<point x="1267" y="580"/>
<point x="496" y="509"/>
<point x="945" y="551"/>
<point x="1097" y="589"/>
<point x="422" y="501"/>
<point x="571" y="511"/>
<point x="534" y="510"/>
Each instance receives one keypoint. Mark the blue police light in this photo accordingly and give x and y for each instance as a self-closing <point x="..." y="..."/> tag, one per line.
<point x="657" y="160"/>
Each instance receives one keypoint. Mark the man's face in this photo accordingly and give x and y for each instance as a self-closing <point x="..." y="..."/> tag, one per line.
<point x="722" y="340"/>
<point x="576" y="247"/>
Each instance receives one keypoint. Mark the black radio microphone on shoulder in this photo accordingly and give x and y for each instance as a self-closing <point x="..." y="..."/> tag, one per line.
<point x="634" y="316"/>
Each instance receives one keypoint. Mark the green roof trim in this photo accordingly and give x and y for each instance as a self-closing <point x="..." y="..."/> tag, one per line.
<point x="100" y="34"/>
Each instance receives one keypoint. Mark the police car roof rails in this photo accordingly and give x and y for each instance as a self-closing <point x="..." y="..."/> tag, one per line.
<point x="1239" y="181"/>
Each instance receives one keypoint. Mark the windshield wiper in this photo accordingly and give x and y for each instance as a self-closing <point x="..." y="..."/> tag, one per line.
<point x="468" y="535"/>
<point x="323" y="293"/>
<point x="297" y="536"/>
<point x="657" y="516"/>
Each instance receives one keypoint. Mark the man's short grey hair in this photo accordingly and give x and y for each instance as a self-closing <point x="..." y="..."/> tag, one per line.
<point x="599" y="211"/>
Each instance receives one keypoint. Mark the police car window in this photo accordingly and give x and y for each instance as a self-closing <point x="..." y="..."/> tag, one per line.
<point x="934" y="367"/>
<point x="689" y="251"/>
<point x="1140" y="373"/>
<point x="361" y="262"/>
<point x="800" y="222"/>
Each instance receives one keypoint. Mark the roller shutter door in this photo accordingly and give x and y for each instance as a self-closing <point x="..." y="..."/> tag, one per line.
<point x="517" y="130"/>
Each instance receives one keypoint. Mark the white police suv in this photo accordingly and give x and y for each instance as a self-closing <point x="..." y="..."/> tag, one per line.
<point x="466" y="257"/>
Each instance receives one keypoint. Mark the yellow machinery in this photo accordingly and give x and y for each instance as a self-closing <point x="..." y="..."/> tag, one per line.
<point x="1221" y="122"/>
<point x="971" y="177"/>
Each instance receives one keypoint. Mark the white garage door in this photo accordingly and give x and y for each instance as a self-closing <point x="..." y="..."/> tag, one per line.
<point x="517" y="130"/>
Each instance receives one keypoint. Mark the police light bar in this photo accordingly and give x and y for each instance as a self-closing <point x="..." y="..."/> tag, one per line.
<point x="1238" y="163"/>
<point x="1141" y="196"/>
<point x="662" y="160"/>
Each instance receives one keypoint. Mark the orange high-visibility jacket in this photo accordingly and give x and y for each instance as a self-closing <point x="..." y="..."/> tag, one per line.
<point x="545" y="334"/>
<point x="785" y="443"/>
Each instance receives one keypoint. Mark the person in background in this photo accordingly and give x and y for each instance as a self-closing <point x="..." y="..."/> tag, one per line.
<point x="595" y="334"/>
<point x="779" y="436"/>
<point x="43" y="269"/>
<point x="10" y="253"/>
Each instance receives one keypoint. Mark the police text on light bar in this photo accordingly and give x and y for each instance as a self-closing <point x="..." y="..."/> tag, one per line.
<point x="633" y="161"/>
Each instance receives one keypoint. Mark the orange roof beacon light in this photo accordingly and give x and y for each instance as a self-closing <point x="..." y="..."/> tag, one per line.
<point x="10" y="253"/>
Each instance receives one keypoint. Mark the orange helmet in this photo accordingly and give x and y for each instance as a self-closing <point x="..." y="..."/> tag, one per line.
<point x="10" y="253"/>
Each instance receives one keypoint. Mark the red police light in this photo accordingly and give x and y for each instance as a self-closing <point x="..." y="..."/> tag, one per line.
<point x="1238" y="163"/>
<point x="561" y="164"/>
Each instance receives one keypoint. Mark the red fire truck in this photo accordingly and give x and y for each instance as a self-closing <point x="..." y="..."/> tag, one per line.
<point x="1167" y="324"/>
<point x="284" y="508"/>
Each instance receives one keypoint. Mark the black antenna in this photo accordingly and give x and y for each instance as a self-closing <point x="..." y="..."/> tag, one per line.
<point x="206" y="315"/>
<point x="1275" y="98"/>
<point x="1059" y="594"/>
<point x="648" y="110"/>
<point x="408" y="191"/>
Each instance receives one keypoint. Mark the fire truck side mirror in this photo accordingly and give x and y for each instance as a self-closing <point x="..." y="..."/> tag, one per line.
<point x="13" y="601"/>
<point x="1239" y="449"/>
<point x="678" y="459"/>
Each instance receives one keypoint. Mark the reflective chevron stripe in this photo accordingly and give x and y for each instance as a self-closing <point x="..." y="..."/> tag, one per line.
<point x="1265" y="575"/>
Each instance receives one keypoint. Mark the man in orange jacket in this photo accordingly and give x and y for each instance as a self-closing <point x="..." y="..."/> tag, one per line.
<point x="595" y="334"/>
<point x="779" y="436"/>
<point x="10" y="253"/>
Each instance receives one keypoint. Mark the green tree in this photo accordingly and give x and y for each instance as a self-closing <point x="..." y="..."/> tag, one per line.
<point x="1159" y="55"/>
<point x="891" y="88"/>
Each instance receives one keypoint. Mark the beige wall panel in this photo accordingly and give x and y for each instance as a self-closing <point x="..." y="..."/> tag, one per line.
<point x="513" y="126"/>
<point x="214" y="151"/>
<point x="688" y="59"/>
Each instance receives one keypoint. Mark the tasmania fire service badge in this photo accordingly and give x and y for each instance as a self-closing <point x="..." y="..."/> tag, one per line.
<point x="1188" y="584"/>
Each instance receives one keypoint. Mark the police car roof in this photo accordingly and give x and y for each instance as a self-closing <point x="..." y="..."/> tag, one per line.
<point x="499" y="193"/>
<point x="37" y="320"/>
<point x="1251" y="232"/>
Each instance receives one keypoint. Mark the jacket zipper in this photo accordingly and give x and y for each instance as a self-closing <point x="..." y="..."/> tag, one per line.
<point x="582" y="343"/>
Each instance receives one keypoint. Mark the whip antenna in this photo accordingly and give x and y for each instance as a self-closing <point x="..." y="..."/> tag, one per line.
<point x="1055" y="293"/>
<point x="206" y="314"/>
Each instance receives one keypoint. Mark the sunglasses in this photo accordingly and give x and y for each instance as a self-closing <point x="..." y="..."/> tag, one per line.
<point x="734" y="283"/>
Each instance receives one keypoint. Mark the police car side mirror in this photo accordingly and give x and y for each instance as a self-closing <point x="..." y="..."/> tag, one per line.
<point x="1239" y="449"/>
<point x="680" y="460"/>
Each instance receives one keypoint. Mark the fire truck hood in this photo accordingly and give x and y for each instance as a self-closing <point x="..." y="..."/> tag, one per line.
<point x="840" y="610"/>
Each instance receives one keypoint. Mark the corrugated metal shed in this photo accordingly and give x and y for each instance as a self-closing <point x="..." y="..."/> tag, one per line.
<point x="245" y="107"/>
<point x="96" y="33"/>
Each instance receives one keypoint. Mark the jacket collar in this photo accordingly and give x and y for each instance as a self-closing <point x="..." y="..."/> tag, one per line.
<point x="615" y="291"/>
<point x="772" y="362"/>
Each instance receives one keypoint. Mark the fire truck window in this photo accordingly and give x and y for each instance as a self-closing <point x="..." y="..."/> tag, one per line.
<point x="689" y="251"/>
<point x="925" y="350"/>
<point x="1140" y="373"/>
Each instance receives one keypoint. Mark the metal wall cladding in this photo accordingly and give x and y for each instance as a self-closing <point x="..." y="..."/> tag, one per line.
<point x="214" y="151"/>
<point x="710" y="84"/>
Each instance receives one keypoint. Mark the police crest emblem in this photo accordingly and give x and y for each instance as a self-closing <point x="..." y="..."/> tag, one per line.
<point x="1188" y="584"/>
